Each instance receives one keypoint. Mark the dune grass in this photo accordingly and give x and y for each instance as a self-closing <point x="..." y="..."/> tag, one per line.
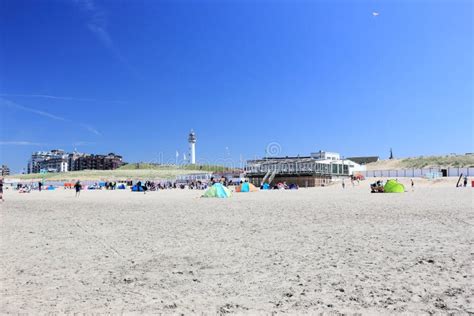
<point x="135" y="171"/>
<point x="463" y="161"/>
<point x="441" y="161"/>
<point x="118" y="174"/>
<point x="148" y="166"/>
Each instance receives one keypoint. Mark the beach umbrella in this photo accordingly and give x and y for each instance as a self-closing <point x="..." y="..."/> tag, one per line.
<point x="217" y="191"/>
<point x="246" y="187"/>
<point x="393" y="186"/>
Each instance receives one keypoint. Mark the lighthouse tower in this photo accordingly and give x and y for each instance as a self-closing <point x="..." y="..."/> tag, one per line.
<point x="192" y="147"/>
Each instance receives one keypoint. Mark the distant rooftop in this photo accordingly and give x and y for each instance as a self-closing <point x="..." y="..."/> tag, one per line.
<point x="364" y="160"/>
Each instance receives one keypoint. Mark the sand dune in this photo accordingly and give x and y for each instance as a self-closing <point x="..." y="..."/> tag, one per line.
<point x="306" y="251"/>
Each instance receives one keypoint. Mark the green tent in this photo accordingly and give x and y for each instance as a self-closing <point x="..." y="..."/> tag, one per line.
<point x="217" y="191"/>
<point x="393" y="186"/>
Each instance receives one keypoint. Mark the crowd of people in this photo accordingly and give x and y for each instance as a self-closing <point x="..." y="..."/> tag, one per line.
<point x="165" y="185"/>
<point x="78" y="186"/>
<point x="191" y="185"/>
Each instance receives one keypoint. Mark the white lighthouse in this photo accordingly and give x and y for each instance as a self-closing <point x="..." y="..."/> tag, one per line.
<point x="192" y="147"/>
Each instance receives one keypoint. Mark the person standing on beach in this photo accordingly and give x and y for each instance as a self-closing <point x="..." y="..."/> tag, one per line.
<point x="40" y="185"/>
<point x="412" y="185"/>
<point x="343" y="184"/>
<point x="78" y="187"/>
<point x="465" y="181"/>
<point x="1" y="190"/>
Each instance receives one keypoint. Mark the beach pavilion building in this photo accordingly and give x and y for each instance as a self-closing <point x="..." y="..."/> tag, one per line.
<point x="317" y="169"/>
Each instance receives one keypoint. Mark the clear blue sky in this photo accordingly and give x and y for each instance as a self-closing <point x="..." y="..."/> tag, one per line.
<point x="133" y="77"/>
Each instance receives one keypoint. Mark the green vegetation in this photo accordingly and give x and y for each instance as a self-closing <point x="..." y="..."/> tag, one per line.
<point x="148" y="166"/>
<point x="441" y="161"/>
<point x="423" y="162"/>
<point x="133" y="171"/>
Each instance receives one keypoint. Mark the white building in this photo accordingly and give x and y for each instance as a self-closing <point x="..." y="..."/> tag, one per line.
<point x="319" y="168"/>
<point x="335" y="158"/>
<point x="325" y="155"/>
<point x="354" y="167"/>
<point x="48" y="161"/>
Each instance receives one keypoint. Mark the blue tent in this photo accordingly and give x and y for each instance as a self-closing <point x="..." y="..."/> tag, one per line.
<point x="265" y="186"/>
<point x="217" y="191"/>
<point x="137" y="188"/>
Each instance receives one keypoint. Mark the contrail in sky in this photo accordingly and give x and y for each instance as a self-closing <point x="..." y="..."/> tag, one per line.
<point x="8" y="103"/>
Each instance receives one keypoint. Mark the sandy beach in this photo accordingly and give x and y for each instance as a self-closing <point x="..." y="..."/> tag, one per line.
<point x="306" y="251"/>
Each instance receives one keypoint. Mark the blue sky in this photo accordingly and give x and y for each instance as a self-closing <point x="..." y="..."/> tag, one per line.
<point x="133" y="77"/>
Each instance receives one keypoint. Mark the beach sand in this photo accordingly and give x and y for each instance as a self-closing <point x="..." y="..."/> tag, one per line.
<point x="311" y="250"/>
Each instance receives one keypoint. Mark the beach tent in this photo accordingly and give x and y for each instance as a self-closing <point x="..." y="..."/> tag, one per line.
<point x="246" y="187"/>
<point x="265" y="186"/>
<point x="121" y="186"/>
<point x="217" y="191"/>
<point x="50" y="188"/>
<point x="393" y="186"/>
<point x="137" y="188"/>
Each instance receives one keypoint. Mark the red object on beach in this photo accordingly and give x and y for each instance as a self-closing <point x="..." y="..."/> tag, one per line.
<point x="472" y="183"/>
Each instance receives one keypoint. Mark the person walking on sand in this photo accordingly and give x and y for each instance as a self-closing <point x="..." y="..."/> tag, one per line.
<point x="465" y="181"/>
<point x="40" y="185"/>
<point x="343" y="184"/>
<point x="78" y="187"/>
<point x="412" y="185"/>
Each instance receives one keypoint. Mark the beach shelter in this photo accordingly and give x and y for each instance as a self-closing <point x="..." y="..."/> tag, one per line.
<point x="246" y="187"/>
<point x="265" y="186"/>
<point x="393" y="186"/>
<point x="137" y="188"/>
<point x="217" y="191"/>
